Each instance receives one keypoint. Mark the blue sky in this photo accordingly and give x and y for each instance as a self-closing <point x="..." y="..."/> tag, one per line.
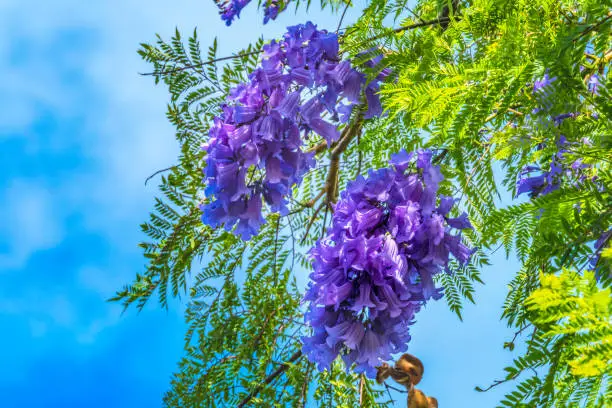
<point x="79" y="133"/>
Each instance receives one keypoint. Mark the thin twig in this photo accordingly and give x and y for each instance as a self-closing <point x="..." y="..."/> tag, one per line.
<point x="387" y="387"/>
<point x="348" y="4"/>
<point x="318" y="148"/>
<point x="498" y="382"/>
<point x="361" y="390"/>
<point x="301" y="403"/>
<point x="308" y="204"/>
<point x="212" y="61"/>
<point x="518" y="333"/>
<point x="514" y="376"/>
<point x="403" y="391"/>
<point x="157" y="172"/>
<point x="276" y="373"/>
<point x="324" y="221"/>
<point x="594" y="26"/>
<point x="311" y="222"/>
<point x="414" y="14"/>
<point x="408" y="27"/>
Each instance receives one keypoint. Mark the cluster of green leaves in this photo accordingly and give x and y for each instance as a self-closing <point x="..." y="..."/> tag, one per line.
<point x="462" y="86"/>
<point x="571" y="337"/>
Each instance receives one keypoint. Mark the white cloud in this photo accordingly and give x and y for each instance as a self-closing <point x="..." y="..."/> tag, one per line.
<point x="89" y="333"/>
<point x="47" y="312"/>
<point x="30" y="222"/>
<point x="43" y="310"/>
<point x="102" y="282"/>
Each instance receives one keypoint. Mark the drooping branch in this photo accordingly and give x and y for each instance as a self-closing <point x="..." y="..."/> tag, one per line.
<point x="441" y="21"/>
<point x="280" y="370"/>
<point x="158" y="172"/>
<point x="212" y="61"/>
<point x="510" y="377"/>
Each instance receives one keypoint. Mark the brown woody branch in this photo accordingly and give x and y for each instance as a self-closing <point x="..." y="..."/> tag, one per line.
<point x="309" y="203"/>
<point x="331" y="184"/>
<point x="318" y="148"/>
<point x="361" y="384"/>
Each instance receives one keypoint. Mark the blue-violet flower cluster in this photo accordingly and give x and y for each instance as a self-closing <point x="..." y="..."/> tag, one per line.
<point x="390" y="234"/>
<point x="537" y="180"/>
<point x="230" y="9"/>
<point x="255" y="146"/>
<point x="541" y="180"/>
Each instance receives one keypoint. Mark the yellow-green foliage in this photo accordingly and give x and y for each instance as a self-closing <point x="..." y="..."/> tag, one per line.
<point x="572" y="306"/>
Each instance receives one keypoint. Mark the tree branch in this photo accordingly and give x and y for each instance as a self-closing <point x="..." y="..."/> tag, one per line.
<point x="311" y="222"/>
<point x="280" y="370"/>
<point x="318" y="148"/>
<point x="331" y="184"/>
<point x="361" y="381"/>
<point x="157" y="172"/>
<point x="348" y="4"/>
<point x="308" y="204"/>
<point x="302" y="402"/>
<point x="442" y="20"/>
<point x="212" y="61"/>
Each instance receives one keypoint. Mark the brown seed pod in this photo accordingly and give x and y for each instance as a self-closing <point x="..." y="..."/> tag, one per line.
<point x="416" y="399"/>
<point x="408" y="371"/>
<point x="412" y="366"/>
<point x="383" y="372"/>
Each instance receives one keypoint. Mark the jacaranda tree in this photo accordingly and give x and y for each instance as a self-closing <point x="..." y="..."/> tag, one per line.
<point x="370" y="160"/>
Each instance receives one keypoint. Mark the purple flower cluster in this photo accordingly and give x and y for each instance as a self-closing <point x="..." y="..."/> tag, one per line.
<point x="230" y="9"/>
<point x="542" y="89"/>
<point x="593" y="84"/>
<point x="390" y="234"/>
<point x="601" y="271"/>
<point x="550" y="179"/>
<point x="271" y="10"/>
<point x="540" y="180"/>
<point x="255" y="146"/>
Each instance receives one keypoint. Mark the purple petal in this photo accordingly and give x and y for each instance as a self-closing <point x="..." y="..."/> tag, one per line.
<point x="461" y="222"/>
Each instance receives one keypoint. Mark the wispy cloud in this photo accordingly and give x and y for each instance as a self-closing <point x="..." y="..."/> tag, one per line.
<point x="28" y="222"/>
